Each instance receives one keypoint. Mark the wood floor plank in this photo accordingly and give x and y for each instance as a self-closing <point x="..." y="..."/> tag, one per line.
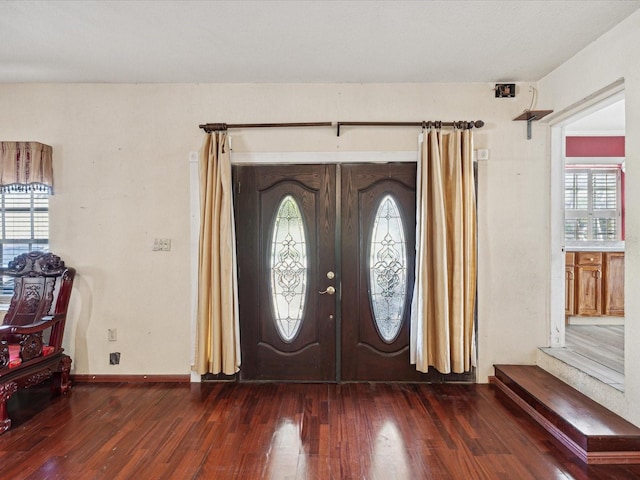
<point x="284" y="431"/>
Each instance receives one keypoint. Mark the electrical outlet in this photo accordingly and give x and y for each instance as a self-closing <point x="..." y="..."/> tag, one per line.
<point x="114" y="358"/>
<point x="112" y="334"/>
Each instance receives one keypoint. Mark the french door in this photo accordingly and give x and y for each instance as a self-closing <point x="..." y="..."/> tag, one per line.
<point x="325" y="271"/>
<point x="286" y="230"/>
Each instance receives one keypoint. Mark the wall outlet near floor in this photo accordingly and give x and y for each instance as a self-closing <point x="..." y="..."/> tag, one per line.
<point x="114" y="358"/>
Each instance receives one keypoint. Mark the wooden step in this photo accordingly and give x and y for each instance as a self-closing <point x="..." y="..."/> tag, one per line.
<point x="596" y="435"/>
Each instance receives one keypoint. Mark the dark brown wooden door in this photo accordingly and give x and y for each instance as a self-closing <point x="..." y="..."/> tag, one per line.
<point x="378" y="269"/>
<point x="359" y="332"/>
<point x="371" y="351"/>
<point x="285" y="228"/>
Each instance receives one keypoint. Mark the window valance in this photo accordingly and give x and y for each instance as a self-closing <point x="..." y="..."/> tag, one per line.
<point x="26" y="167"/>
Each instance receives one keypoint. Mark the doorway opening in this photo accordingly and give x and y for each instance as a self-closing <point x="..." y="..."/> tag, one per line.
<point x="587" y="244"/>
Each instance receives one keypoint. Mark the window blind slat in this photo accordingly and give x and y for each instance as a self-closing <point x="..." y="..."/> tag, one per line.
<point x="24" y="227"/>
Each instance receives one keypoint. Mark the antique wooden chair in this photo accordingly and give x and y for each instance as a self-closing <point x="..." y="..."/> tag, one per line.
<point x="31" y="332"/>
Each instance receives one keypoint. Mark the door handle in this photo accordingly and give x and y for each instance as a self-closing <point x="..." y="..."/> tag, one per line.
<point x="330" y="290"/>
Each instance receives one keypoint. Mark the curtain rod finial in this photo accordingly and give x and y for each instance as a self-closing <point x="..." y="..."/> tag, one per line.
<point x="213" y="127"/>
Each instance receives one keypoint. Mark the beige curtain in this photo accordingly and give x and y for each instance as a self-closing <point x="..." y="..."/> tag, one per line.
<point x="217" y="333"/>
<point x="26" y="167"/>
<point x="442" y="313"/>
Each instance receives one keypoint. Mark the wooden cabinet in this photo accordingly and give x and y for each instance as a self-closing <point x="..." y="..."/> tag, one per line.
<point x="594" y="283"/>
<point x="614" y="284"/>
<point x="588" y="283"/>
<point x="569" y="284"/>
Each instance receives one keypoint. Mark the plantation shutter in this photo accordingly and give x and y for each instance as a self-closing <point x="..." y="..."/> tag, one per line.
<point x="592" y="204"/>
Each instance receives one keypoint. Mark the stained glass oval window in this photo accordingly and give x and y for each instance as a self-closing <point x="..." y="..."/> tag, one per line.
<point x="288" y="263"/>
<point x="388" y="269"/>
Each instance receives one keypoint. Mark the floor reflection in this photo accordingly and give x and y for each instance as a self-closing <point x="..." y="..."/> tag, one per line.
<point x="389" y="458"/>
<point x="286" y="454"/>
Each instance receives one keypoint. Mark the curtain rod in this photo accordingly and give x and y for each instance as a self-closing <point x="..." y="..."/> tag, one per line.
<point x="424" y="124"/>
<point x="217" y="127"/>
<point x="221" y="127"/>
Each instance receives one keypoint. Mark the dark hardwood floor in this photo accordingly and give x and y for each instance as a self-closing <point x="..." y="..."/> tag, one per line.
<point x="283" y="431"/>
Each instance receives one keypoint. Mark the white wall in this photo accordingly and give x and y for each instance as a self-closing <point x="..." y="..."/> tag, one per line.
<point x="122" y="179"/>
<point x="602" y="63"/>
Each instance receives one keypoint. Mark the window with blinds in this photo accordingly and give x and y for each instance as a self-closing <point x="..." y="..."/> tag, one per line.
<point x="592" y="204"/>
<point x="24" y="226"/>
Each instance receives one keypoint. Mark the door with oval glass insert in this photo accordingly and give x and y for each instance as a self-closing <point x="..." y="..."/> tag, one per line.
<point x="285" y="228"/>
<point x="378" y="268"/>
<point x="324" y="299"/>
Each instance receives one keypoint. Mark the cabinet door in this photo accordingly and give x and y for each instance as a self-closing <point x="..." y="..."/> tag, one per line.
<point x="589" y="290"/>
<point x="614" y="284"/>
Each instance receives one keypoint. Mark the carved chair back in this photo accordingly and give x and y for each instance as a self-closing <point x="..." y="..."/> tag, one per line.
<point x="42" y="286"/>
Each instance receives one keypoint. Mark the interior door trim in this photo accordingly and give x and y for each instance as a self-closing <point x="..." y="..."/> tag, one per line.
<point x="302" y="158"/>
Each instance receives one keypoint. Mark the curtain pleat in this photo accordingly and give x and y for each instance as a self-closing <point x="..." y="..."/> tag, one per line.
<point x="442" y="313"/>
<point x="217" y="332"/>
<point x="470" y="250"/>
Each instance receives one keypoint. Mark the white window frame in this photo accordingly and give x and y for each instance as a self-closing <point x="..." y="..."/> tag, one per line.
<point x="590" y="212"/>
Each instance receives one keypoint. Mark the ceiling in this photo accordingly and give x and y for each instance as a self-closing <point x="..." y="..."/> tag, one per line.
<point x="296" y="41"/>
<point x="609" y="119"/>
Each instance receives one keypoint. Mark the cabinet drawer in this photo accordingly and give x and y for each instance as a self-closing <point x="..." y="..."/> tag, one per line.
<point x="588" y="258"/>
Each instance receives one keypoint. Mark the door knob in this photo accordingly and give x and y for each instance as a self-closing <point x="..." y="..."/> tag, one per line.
<point x="330" y="290"/>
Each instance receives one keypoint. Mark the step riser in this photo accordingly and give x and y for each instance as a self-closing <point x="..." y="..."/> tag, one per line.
<point x="591" y="449"/>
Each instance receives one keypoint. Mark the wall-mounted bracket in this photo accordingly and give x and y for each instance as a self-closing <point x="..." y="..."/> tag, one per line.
<point x="531" y="115"/>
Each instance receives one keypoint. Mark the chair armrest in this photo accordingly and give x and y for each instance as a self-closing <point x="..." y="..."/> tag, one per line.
<point x="29" y="338"/>
<point x="35" y="327"/>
